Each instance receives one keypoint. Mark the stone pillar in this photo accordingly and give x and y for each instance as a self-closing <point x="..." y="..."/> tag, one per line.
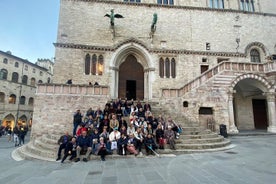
<point x="270" y="97"/>
<point x="232" y="127"/>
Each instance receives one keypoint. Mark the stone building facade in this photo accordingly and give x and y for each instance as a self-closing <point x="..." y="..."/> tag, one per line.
<point x="205" y="61"/>
<point x="18" y="80"/>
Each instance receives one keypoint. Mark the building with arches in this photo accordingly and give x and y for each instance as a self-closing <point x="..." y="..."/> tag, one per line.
<point x="203" y="61"/>
<point x="18" y="80"/>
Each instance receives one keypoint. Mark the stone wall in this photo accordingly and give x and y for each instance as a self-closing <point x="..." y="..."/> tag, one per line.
<point x="55" y="106"/>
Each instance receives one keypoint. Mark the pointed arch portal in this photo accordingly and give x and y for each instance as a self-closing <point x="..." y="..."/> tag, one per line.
<point x="131" y="79"/>
<point x="132" y="72"/>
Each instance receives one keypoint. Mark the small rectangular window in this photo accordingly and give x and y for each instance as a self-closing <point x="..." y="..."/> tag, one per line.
<point x="206" y="110"/>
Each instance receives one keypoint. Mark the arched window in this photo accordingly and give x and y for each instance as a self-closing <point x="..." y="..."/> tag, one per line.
<point x="22" y="100"/>
<point x="161" y="67"/>
<point x="40" y="82"/>
<point x="24" y="79"/>
<point x="255" y="56"/>
<point x="4" y="74"/>
<point x="5" y="61"/>
<point x="2" y="97"/>
<point x="14" y="77"/>
<point x="100" y="65"/>
<point x="48" y="80"/>
<point x="32" y="81"/>
<point x="87" y="64"/>
<point x="185" y="104"/>
<point x="94" y="64"/>
<point x="31" y="101"/>
<point x="16" y="64"/>
<point x="173" y="68"/>
<point x="167" y="67"/>
<point x="12" y="99"/>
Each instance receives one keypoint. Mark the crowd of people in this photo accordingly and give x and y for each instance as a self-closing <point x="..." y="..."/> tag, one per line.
<point x="17" y="134"/>
<point x="122" y="127"/>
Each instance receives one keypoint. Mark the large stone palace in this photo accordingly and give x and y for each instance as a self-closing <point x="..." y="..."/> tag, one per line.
<point x="204" y="61"/>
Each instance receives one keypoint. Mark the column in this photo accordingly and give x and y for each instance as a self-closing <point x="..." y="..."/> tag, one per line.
<point x="270" y="97"/>
<point x="232" y="127"/>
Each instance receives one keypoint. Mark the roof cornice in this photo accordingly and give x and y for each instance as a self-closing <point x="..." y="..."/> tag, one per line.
<point x="176" y="7"/>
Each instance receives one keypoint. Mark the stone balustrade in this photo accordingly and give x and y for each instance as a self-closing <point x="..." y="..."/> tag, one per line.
<point x="221" y="67"/>
<point x="72" y="89"/>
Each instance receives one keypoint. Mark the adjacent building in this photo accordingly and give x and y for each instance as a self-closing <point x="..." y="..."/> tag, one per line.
<point x="18" y="80"/>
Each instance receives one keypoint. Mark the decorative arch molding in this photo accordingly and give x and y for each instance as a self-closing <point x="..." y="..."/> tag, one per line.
<point x="134" y="47"/>
<point x="254" y="45"/>
<point x="261" y="79"/>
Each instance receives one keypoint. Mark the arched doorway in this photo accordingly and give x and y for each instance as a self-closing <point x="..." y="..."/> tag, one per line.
<point x="131" y="79"/>
<point x="9" y="120"/>
<point x="250" y="105"/>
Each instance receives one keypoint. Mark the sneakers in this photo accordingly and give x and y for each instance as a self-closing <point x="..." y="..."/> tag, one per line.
<point x="84" y="159"/>
<point x="141" y="154"/>
<point x="77" y="160"/>
<point x="103" y="159"/>
<point x="58" y="158"/>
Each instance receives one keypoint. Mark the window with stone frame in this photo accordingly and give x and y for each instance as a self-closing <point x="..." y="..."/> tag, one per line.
<point x="16" y="64"/>
<point x="161" y="67"/>
<point x="247" y="5"/>
<point x="22" y="100"/>
<point x="15" y="77"/>
<point x="165" y="2"/>
<point x="218" y="4"/>
<point x="5" y="61"/>
<point x="2" y="97"/>
<point x="255" y="56"/>
<point x="12" y="99"/>
<point x="31" y="101"/>
<point x="32" y="81"/>
<point x="25" y="79"/>
<point x="94" y="65"/>
<point x="4" y="74"/>
<point x="167" y="67"/>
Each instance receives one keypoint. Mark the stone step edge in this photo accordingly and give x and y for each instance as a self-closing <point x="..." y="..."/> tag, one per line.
<point x="190" y="151"/>
<point x="212" y="139"/>
<point x="206" y="144"/>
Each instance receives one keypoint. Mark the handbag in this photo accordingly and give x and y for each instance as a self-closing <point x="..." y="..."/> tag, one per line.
<point x="113" y="145"/>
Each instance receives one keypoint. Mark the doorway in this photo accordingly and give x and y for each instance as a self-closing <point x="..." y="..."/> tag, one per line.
<point x="260" y="113"/>
<point x="131" y="89"/>
<point x="131" y="79"/>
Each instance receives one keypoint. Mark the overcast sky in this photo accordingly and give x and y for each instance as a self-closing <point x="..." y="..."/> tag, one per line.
<point x="28" y="28"/>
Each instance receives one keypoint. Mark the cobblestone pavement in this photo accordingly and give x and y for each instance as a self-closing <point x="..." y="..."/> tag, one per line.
<point x="251" y="161"/>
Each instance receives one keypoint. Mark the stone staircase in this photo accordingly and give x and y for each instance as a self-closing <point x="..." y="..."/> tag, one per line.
<point x="193" y="139"/>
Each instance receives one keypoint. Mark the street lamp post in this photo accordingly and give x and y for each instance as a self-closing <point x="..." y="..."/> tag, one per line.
<point x="20" y="93"/>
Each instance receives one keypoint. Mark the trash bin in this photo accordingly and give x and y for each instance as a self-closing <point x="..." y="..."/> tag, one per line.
<point x="223" y="130"/>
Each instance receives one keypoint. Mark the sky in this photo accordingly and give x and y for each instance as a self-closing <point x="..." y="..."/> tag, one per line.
<point x="28" y="28"/>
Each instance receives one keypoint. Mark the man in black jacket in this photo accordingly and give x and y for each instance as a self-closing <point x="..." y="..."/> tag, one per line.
<point x="70" y="149"/>
<point x="63" y="140"/>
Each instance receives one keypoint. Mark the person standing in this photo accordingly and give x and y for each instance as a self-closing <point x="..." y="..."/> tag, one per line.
<point x="77" y="121"/>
